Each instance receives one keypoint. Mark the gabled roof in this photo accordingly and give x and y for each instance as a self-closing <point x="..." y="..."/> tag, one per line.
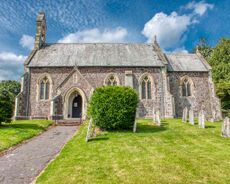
<point x="96" y="54"/>
<point x="186" y="62"/>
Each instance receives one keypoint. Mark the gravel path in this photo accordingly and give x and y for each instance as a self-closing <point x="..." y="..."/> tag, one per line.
<point x="24" y="163"/>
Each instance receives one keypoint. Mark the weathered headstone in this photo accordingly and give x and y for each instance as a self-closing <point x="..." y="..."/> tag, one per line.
<point x="201" y="119"/>
<point x="158" y="119"/>
<point x="191" y="116"/>
<point x="213" y="115"/>
<point x="225" y="132"/>
<point x="185" y="115"/>
<point x="135" y="122"/>
<point x="89" y="130"/>
<point x="154" y="115"/>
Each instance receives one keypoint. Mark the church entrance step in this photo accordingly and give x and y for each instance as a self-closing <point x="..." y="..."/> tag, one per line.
<point x="71" y="122"/>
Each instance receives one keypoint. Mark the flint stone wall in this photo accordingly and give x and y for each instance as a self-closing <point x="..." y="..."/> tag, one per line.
<point x="200" y="93"/>
<point x="93" y="77"/>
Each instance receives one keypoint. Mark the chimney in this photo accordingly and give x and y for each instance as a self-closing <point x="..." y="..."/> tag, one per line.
<point x="40" y="38"/>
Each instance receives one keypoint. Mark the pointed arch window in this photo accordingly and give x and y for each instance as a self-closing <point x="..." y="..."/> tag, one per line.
<point x="186" y="88"/>
<point x="146" y="88"/>
<point x="112" y="81"/>
<point x="44" y="89"/>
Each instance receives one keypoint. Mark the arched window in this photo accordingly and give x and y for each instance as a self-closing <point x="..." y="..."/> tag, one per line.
<point x="146" y="88"/>
<point x="186" y="88"/>
<point x="112" y="81"/>
<point x="44" y="88"/>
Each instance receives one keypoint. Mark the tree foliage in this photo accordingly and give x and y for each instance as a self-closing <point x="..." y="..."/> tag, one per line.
<point x="113" y="107"/>
<point x="204" y="49"/>
<point x="8" y="91"/>
<point x="219" y="59"/>
<point x="6" y="106"/>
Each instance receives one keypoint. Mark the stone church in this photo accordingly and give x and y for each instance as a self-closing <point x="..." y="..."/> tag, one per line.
<point x="60" y="78"/>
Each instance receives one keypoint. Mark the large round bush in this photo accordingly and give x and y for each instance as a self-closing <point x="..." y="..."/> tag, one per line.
<point x="113" y="107"/>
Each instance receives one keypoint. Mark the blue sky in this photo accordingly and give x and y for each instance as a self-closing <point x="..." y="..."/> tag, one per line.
<point x="178" y="24"/>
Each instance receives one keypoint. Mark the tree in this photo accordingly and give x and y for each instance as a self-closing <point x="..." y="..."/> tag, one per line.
<point x="8" y="91"/>
<point x="220" y="62"/>
<point x="6" y="106"/>
<point x="219" y="59"/>
<point x="13" y="87"/>
<point x="204" y="49"/>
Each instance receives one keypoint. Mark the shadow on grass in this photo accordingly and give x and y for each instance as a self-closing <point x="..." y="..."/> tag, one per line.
<point x="98" y="139"/>
<point x="151" y="128"/>
<point x="209" y="126"/>
<point x="21" y="126"/>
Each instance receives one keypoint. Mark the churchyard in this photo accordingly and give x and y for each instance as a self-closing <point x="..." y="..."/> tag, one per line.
<point x="174" y="152"/>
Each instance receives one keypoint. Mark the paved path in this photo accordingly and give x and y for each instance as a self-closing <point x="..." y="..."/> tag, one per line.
<point x="24" y="163"/>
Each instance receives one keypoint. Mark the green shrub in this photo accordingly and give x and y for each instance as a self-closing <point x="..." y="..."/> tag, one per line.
<point x="6" y="107"/>
<point x="113" y="107"/>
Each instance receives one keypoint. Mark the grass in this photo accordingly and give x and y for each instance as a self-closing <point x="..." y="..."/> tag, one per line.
<point x="18" y="131"/>
<point x="173" y="153"/>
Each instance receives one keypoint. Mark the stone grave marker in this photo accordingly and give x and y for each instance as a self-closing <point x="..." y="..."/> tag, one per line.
<point x="154" y="115"/>
<point x="135" y="122"/>
<point x="185" y="115"/>
<point x="201" y="119"/>
<point x="158" y="119"/>
<point x="191" y="116"/>
<point x="89" y="130"/>
<point x="225" y="131"/>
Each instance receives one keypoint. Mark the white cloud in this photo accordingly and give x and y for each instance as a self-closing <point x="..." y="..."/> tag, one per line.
<point x="95" y="35"/>
<point x="11" y="65"/>
<point x="199" y="8"/>
<point x="171" y="29"/>
<point x="180" y="50"/>
<point x="27" y="42"/>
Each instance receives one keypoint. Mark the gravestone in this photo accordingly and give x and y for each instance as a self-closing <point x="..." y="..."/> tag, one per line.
<point x="89" y="130"/>
<point x="135" y="122"/>
<point x="158" y="119"/>
<point x="191" y="116"/>
<point x="201" y="119"/>
<point x="154" y="115"/>
<point x="225" y="132"/>
<point x="185" y="115"/>
<point x="135" y="126"/>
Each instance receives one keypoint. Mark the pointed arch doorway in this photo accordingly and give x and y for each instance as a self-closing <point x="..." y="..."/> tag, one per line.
<point x="74" y="105"/>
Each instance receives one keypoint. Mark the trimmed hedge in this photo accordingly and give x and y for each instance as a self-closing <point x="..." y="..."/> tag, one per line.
<point x="113" y="107"/>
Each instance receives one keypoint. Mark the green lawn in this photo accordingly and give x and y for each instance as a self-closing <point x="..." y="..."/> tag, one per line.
<point x="173" y="153"/>
<point x="17" y="131"/>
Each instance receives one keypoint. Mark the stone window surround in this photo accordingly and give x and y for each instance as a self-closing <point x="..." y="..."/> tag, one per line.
<point x="39" y="86"/>
<point x="108" y="77"/>
<point x="152" y="86"/>
<point x="192" y="86"/>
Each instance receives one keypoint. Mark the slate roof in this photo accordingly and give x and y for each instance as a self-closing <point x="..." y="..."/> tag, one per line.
<point x="114" y="54"/>
<point x="96" y="54"/>
<point x="186" y="62"/>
